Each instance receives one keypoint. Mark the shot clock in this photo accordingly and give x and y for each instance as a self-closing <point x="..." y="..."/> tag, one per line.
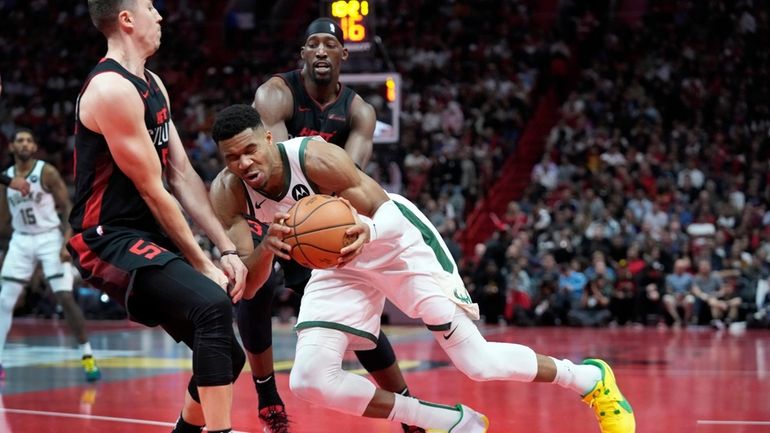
<point x="356" y="18"/>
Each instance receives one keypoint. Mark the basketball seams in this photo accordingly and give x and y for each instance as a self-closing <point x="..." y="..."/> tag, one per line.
<point x="314" y="210"/>
<point x="317" y="248"/>
<point x="321" y="229"/>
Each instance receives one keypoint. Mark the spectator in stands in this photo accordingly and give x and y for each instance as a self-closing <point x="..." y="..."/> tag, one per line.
<point x="705" y="285"/>
<point x="545" y="174"/>
<point x="622" y="297"/>
<point x="592" y="309"/>
<point x="725" y="304"/>
<point x="678" y="293"/>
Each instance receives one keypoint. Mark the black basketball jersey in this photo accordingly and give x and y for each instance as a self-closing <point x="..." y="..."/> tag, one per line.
<point x="103" y="193"/>
<point x="332" y="121"/>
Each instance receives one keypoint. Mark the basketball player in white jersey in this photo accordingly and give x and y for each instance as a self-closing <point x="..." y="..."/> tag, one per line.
<point x="38" y="237"/>
<point x="397" y="254"/>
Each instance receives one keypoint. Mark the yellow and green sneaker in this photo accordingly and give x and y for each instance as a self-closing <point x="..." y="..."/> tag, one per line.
<point x="90" y="368"/>
<point x="470" y="422"/>
<point x="613" y="411"/>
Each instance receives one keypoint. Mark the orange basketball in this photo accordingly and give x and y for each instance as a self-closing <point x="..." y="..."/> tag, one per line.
<point x="318" y="224"/>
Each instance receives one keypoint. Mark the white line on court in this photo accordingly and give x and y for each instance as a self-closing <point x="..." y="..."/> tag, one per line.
<point x="731" y="422"/>
<point x="91" y="417"/>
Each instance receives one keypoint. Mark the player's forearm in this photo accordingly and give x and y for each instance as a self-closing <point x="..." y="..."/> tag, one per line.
<point x="260" y="265"/>
<point x="386" y="223"/>
<point x="360" y="154"/>
<point x="66" y="228"/>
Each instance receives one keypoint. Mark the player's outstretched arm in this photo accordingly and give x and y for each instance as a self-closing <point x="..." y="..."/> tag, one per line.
<point x="275" y="104"/>
<point x="189" y="189"/>
<point x="52" y="181"/>
<point x="112" y="107"/>
<point x="228" y="197"/>
<point x="360" y="141"/>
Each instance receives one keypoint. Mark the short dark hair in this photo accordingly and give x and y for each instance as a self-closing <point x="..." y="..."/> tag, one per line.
<point x="232" y="120"/>
<point x="22" y="130"/>
<point x="104" y="13"/>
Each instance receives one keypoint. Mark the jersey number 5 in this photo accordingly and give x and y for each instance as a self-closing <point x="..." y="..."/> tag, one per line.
<point x="148" y="250"/>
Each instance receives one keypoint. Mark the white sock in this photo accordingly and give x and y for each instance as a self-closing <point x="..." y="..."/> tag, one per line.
<point x="580" y="378"/>
<point x="86" y="348"/>
<point x="411" y="411"/>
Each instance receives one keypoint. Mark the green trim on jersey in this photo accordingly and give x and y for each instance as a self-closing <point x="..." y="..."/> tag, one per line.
<point x="428" y="237"/>
<point x="15" y="280"/>
<point x="286" y="176"/>
<point x="336" y="326"/>
<point x="302" y="148"/>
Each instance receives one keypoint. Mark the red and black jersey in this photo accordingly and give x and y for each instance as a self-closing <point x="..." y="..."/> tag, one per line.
<point x="104" y="195"/>
<point x="331" y="121"/>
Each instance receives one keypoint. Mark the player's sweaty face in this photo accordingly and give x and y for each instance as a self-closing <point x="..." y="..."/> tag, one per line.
<point x="246" y="155"/>
<point x="322" y="54"/>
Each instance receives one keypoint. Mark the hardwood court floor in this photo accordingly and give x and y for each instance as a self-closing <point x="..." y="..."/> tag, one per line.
<point x="693" y="380"/>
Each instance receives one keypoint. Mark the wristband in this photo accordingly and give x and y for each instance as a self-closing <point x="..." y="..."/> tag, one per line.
<point x="228" y="253"/>
<point x="5" y="180"/>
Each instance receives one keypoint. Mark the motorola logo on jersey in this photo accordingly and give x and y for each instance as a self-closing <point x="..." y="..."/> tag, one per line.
<point x="299" y="191"/>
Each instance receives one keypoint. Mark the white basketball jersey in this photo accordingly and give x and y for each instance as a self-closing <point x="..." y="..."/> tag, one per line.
<point x="295" y="186"/>
<point x="35" y="212"/>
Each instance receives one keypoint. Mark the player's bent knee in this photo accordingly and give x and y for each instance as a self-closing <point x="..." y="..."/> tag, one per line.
<point x="306" y="383"/>
<point x="216" y="315"/>
<point x="9" y="294"/>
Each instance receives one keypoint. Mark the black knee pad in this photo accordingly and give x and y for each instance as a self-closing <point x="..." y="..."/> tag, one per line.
<point x="379" y="358"/>
<point x="255" y="317"/>
<point x="238" y="359"/>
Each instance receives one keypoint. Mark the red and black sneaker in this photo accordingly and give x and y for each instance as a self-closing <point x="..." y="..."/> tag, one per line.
<point x="412" y="429"/>
<point x="275" y="419"/>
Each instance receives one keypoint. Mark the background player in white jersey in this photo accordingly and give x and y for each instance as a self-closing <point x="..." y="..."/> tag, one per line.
<point x="39" y="234"/>
<point x="399" y="254"/>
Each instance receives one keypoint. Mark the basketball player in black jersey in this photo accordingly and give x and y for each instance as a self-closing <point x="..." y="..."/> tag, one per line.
<point x="306" y="102"/>
<point x="130" y="234"/>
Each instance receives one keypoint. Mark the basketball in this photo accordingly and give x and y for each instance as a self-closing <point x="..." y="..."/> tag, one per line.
<point x="318" y="224"/>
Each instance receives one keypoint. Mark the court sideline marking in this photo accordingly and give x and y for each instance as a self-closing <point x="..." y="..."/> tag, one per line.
<point x="90" y="417"/>
<point x="731" y="422"/>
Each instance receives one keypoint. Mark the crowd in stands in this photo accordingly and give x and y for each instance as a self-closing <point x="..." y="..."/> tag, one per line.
<point x="650" y="203"/>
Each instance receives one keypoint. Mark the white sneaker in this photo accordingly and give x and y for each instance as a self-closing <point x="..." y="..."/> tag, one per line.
<point x="470" y="422"/>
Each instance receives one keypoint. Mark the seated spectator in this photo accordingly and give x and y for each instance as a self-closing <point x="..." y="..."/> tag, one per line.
<point x="572" y="281"/>
<point x="489" y="292"/>
<point x="600" y="267"/>
<point x="622" y="297"/>
<point x="705" y="286"/>
<point x="550" y="307"/>
<point x="677" y="293"/>
<point x="726" y="302"/>
<point x="592" y="310"/>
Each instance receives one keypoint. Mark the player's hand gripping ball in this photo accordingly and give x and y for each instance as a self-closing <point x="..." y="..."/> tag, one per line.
<point x="318" y="224"/>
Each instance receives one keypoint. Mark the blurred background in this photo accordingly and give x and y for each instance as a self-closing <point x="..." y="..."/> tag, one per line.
<point x="589" y="163"/>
